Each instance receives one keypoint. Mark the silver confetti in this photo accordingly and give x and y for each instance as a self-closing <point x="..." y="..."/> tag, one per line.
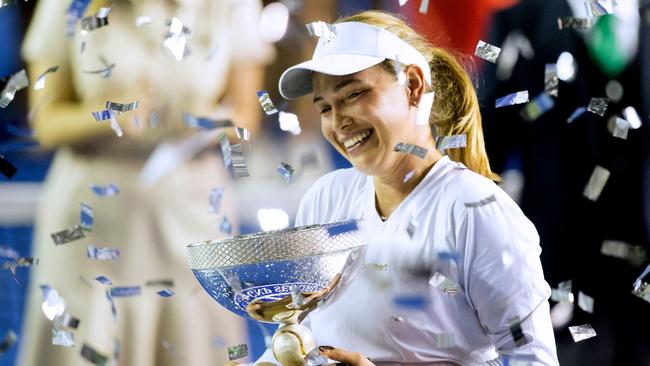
<point x="165" y="282"/>
<point x="125" y="291"/>
<point x="577" y="113"/>
<point x="563" y="292"/>
<point x="237" y="352"/>
<point x="512" y="99"/>
<point x="103" y="280"/>
<point x="619" y="127"/>
<point x="401" y="76"/>
<point x="640" y="288"/>
<point x="103" y="254"/>
<point x="105" y="191"/>
<point x="243" y="134"/>
<point x="121" y="107"/>
<point x="517" y="333"/>
<point x="445" y="340"/>
<point x="596" y="183"/>
<point x="582" y="332"/>
<point x="68" y="235"/>
<point x="53" y="303"/>
<point x="103" y="115"/>
<point x="90" y="23"/>
<point x="598" y="106"/>
<point x="585" y="302"/>
<point x="538" y="106"/>
<point x="62" y="338"/>
<point x="483" y="202"/>
<point x="550" y="79"/>
<point x="240" y="169"/>
<point x="574" y="23"/>
<point x="314" y="358"/>
<point x="216" y="195"/>
<point x="40" y="81"/>
<point x="515" y="44"/>
<point x="322" y="30"/>
<point x="10" y="339"/>
<point x="289" y="122"/>
<point x="424" y="7"/>
<point x="142" y="20"/>
<point x="117" y="350"/>
<point x="408" y="176"/>
<point x="205" y="123"/>
<point x="487" y="51"/>
<point x="176" y="39"/>
<point x="410" y="228"/>
<point x="632" y="117"/>
<point x="286" y="171"/>
<point x="266" y="103"/>
<point x="105" y="72"/>
<point x="418" y="151"/>
<point x="86" y="217"/>
<point x="297" y="300"/>
<point x="225" y="226"/>
<point x="634" y="254"/>
<point x="90" y="354"/>
<point x="451" y="142"/>
<point x="16" y="82"/>
<point x="439" y="281"/>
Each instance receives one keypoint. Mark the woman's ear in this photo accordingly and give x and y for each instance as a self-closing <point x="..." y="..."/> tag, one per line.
<point x="415" y="83"/>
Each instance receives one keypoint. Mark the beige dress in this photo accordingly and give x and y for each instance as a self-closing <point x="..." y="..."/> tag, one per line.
<point x="150" y="225"/>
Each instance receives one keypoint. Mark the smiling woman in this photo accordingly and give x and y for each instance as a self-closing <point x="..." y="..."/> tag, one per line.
<point x="482" y="295"/>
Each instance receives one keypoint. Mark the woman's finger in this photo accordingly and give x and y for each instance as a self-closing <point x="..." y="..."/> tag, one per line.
<point x="348" y="357"/>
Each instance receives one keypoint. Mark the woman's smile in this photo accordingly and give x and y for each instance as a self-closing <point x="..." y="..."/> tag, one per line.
<point x="355" y="144"/>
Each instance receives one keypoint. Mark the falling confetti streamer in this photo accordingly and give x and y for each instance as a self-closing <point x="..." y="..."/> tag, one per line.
<point x="483" y="202"/>
<point x="125" y="291"/>
<point x="90" y="23"/>
<point x="487" y="51"/>
<point x="86" y="217"/>
<point x="266" y="103"/>
<point x="16" y="82"/>
<point x="216" y="196"/>
<point x="538" y="106"/>
<point x="582" y="332"/>
<point x="286" y="171"/>
<point x="68" y="235"/>
<point x="237" y="352"/>
<point x="62" y="338"/>
<point x="40" y="81"/>
<point x="9" y="340"/>
<point x="574" y="23"/>
<point x="121" y="107"/>
<point x="418" y="151"/>
<point x="598" y="106"/>
<point x="577" y="113"/>
<point x="596" y="183"/>
<point x="94" y="357"/>
<point x="103" y="254"/>
<point x="105" y="191"/>
<point x="451" y="142"/>
<point x="103" y="280"/>
<point x="512" y="99"/>
<point x="322" y="30"/>
<point x="342" y="228"/>
<point x="6" y="168"/>
<point x="585" y="302"/>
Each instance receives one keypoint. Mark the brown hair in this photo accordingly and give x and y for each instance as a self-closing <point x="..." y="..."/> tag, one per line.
<point x="455" y="109"/>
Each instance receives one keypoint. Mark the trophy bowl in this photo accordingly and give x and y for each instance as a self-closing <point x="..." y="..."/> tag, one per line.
<point x="280" y="277"/>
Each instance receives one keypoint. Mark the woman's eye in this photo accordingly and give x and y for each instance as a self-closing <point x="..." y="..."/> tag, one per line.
<point x="324" y="110"/>
<point x="354" y="95"/>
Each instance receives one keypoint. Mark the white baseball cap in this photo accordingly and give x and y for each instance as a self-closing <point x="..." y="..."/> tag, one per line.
<point x="357" y="46"/>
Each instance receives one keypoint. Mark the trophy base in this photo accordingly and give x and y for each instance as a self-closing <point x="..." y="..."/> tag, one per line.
<point x="292" y="343"/>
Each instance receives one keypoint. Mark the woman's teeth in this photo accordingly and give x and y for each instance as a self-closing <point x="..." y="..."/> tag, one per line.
<point x="356" y="139"/>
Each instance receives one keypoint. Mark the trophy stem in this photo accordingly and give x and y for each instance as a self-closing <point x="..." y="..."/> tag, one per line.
<point x="292" y="341"/>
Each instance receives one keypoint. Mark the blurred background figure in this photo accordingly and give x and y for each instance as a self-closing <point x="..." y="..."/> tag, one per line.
<point x="150" y="220"/>
<point x="599" y="244"/>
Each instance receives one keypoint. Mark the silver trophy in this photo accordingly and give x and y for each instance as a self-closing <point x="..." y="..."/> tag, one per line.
<point x="280" y="277"/>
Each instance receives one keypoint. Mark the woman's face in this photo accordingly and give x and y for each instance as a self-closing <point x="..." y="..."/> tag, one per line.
<point x="364" y="115"/>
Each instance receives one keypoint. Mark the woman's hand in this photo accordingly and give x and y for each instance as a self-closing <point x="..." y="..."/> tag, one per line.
<point x="346" y="357"/>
